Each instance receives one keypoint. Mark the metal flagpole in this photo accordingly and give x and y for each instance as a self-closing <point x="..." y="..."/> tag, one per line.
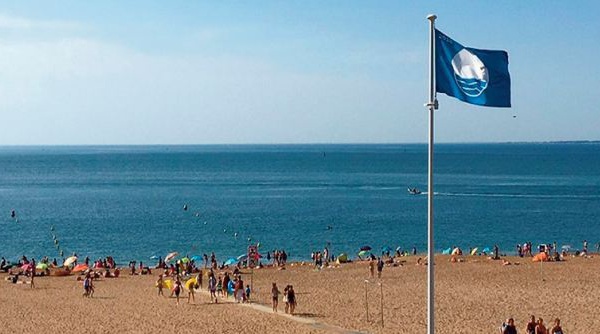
<point x="432" y="105"/>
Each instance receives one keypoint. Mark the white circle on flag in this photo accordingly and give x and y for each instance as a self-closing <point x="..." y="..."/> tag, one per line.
<point x="470" y="73"/>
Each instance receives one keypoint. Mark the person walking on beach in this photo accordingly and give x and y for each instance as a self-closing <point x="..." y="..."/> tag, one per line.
<point x="530" y="329"/>
<point x="291" y="299"/>
<point x="540" y="328"/>
<point x="275" y="296"/>
<point x="556" y="329"/>
<point x="379" y="267"/>
<point x="177" y="289"/>
<point x="239" y="289"/>
<point x="509" y="327"/>
<point x="212" y="287"/>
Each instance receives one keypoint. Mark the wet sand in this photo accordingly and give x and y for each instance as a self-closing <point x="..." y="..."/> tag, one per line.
<point x="471" y="297"/>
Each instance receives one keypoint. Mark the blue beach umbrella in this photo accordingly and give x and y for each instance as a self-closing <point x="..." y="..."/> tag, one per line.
<point x="231" y="261"/>
<point x="447" y="251"/>
<point x="486" y="250"/>
<point x="196" y="258"/>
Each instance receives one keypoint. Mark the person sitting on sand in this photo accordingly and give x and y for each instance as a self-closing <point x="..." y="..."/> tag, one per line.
<point x="556" y="329"/>
<point x="530" y="329"/>
<point x="540" y="328"/>
<point x="506" y="262"/>
<point x="509" y="327"/>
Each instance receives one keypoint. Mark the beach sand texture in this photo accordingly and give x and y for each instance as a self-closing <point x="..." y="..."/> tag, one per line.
<point x="471" y="297"/>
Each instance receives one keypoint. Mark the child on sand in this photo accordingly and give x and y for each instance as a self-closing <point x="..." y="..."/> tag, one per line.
<point x="212" y="286"/>
<point x="87" y="282"/>
<point x="275" y="296"/>
<point x="509" y="327"/>
<point x="292" y="299"/>
<point x="160" y="285"/>
<point x="248" y="293"/>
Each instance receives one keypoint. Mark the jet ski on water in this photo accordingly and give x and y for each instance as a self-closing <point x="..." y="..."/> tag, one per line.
<point x="414" y="191"/>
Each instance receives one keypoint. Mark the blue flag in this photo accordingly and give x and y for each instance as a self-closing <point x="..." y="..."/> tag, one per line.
<point x="471" y="75"/>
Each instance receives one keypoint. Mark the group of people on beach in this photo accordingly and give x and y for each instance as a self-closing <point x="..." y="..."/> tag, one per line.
<point x="533" y="327"/>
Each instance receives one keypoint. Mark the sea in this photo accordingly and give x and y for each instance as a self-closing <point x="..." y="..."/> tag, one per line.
<point x="130" y="201"/>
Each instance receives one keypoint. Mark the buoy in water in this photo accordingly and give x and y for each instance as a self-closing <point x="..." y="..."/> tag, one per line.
<point x="185" y="207"/>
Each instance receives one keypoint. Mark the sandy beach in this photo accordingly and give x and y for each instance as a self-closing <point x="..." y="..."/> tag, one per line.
<point x="472" y="297"/>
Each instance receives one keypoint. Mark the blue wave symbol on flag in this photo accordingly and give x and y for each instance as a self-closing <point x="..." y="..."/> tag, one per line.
<point x="471" y="86"/>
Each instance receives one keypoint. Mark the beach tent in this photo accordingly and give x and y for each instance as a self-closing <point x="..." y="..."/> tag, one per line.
<point x="447" y="251"/>
<point x="342" y="258"/>
<point x="541" y="257"/>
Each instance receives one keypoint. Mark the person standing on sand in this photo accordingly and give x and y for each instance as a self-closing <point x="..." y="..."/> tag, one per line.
<point x="275" y="296"/>
<point x="509" y="327"/>
<point x="530" y="329"/>
<point x="160" y="285"/>
<point x="292" y="299"/>
<point x="372" y="267"/>
<point x="212" y="287"/>
<point x="191" y="292"/>
<point x="177" y="289"/>
<point x="379" y="267"/>
<point x="556" y="329"/>
<point x="540" y="328"/>
<point x="285" y="298"/>
<point x="32" y="272"/>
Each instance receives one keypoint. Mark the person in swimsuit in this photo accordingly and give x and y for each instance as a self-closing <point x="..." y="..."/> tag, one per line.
<point x="159" y="285"/>
<point x="292" y="299"/>
<point x="509" y="327"/>
<point x="540" y="328"/>
<point x="556" y="329"/>
<point x="177" y="289"/>
<point x="275" y="296"/>
<point x="530" y="329"/>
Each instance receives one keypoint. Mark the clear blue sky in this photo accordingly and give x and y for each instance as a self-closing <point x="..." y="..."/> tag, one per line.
<point x="186" y="72"/>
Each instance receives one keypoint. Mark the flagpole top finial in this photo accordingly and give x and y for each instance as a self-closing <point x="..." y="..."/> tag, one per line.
<point x="431" y="17"/>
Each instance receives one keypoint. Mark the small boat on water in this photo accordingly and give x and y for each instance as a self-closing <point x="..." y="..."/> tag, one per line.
<point x="414" y="191"/>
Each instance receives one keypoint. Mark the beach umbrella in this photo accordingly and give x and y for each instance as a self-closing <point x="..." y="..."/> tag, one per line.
<point x="196" y="258"/>
<point x="363" y="253"/>
<point x="171" y="256"/>
<point x="26" y="266"/>
<point x="189" y="283"/>
<point x="447" y="251"/>
<point x="486" y="250"/>
<point x="398" y="249"/>
<point x="69" y="261"/>
<point x="80" y="267"/>
<point x="231" y="261"/>
<point x="365" y="248"/>
<point x="185" y="260"/>
<point x="42" y="266"/>
<point x="474" y="251"/>
<point x="242" y="257"/>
